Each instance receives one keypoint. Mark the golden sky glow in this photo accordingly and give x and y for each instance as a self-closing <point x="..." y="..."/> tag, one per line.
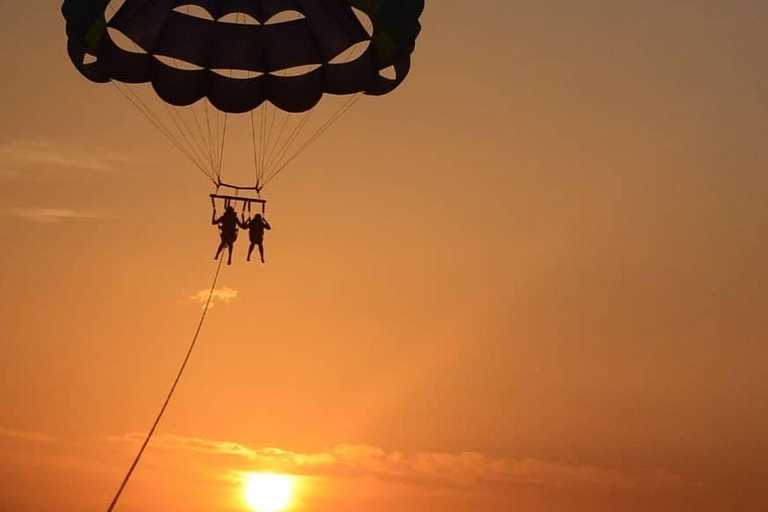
<point x="532" y="279"/>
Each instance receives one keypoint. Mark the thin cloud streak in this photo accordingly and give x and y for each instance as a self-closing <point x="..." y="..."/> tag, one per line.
<point x="42" y="157"/>
<point x="22" y="435"/>
<point x="450" y="470"/>
<point x="45" y="215"/>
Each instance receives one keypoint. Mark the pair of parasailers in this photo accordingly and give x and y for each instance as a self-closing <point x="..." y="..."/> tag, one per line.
<point x="228" y="224"/>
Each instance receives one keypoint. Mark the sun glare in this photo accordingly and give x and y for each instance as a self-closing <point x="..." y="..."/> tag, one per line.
<point x="268" y="492"/>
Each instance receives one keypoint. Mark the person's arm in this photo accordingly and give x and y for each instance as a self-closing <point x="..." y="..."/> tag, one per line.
<point x="213" y="218"/>
<point x="243" y="223"/>
<point x="266" y="224"/>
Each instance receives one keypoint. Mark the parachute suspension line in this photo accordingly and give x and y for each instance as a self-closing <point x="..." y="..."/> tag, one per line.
<point x="271" y="155"/>
<point x="257" y="148"/>
<point x="280" y="154"/>
<point x="139" y="105"/>
<point x="198" y="159"/>
<point x="221" y="150"/>
<point x="199" y="140"/>
<point x="205" y="138"/>
<point x="170" y="393"/>
<point x="340" y="112"/>
<point x="224" y="131"/>
<point x="272" y="149"/>
<point x="217" y="144"/>
<point x="262" y="137"/>
<point x="181" y="125"/>
<point x="137" y="102"/>
<point x="176" y="112"/>
<point x="210" y="134"/>
<point x="270" y="131"/>
<point x="257" y="176"/>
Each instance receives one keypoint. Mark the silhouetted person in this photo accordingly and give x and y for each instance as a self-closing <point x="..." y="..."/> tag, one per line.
<point x="256" y="227"/>
<point x="227" y="231"/>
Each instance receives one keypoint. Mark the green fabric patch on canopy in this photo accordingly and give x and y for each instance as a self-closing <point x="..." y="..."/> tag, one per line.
<point x="86" y="21"/>
<point x="395" y="26"/>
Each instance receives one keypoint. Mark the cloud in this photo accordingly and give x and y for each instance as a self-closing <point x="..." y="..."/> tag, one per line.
<point x="19" y="158"/>
<point x="441" y="469"/>
<point x="46" y="215"/>
<point x="225" y="295"/>
<point x="34" y="437"/>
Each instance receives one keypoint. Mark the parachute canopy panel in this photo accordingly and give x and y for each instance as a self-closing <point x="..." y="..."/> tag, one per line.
<point x="215" y="52"/>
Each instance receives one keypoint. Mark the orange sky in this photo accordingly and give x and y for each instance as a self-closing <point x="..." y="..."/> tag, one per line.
<point x="532" y="278"/>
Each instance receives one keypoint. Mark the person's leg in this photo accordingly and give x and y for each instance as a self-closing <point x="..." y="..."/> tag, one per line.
<point x="218" y="251"/>
<point x="261" y="251"/>
<point x="250" y="250"/>
<point x="229" y="246"/>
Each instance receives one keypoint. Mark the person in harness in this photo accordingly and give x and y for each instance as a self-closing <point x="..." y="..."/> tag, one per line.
<point x="227" y="224"/>
<point x="255" y="227"/>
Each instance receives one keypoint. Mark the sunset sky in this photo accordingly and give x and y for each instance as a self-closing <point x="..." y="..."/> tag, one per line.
<point x="533" y="278"/>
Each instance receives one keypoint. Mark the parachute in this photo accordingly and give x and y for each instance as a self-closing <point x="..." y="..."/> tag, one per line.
<point x="269" y="60"/>
<point x="195" y="67"/>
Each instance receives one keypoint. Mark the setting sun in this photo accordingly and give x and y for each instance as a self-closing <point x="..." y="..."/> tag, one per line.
<point x="268" y="492"/>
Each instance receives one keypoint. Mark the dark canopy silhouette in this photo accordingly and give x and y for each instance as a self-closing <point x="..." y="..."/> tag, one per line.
<point x="323" y="30"/>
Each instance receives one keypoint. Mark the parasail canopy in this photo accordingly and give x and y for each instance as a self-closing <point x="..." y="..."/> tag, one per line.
<point x="211" y="46"/>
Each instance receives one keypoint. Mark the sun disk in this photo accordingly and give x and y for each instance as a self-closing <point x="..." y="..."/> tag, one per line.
<point x="268" y="492"/>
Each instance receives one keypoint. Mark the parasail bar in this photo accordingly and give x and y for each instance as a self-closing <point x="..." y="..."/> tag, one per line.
<point x="237" y="187"/>
<point x="236" y="198"/>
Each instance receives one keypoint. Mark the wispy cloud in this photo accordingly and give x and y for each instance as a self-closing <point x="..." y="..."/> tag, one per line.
<point x="46" y="215"/>
<point x="464" y="469"/>
<point x="225" y="295"/>
<point x="19" y="158"/>
<point x="34" y="437"/>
